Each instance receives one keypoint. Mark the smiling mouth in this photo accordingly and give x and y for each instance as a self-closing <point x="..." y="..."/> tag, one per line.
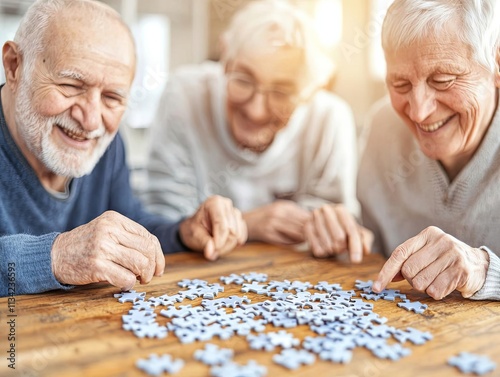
<point x="71" y="134"/>
<point x="433" y="126"/>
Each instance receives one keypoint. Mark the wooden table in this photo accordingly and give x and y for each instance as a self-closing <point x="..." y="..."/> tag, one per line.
<point x="79" y="333"/>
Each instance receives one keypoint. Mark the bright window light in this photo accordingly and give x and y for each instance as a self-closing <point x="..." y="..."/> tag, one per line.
<point x="377" y="59"/>
<point x="328" y="15"/>
<point x="152" y="36"/>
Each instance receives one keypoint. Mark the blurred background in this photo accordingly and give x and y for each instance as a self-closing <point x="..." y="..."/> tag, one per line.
<point x="171" y="33"/>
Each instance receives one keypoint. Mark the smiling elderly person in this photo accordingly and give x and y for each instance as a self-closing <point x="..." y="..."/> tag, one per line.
<point x="67" y="214"/>
<point x="429" y="178"/>
<point x="258" y="128"/>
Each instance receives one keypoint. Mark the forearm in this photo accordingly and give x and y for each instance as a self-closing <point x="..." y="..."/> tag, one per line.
<point x="491" y="287"/>
<point x="26" y="264"/>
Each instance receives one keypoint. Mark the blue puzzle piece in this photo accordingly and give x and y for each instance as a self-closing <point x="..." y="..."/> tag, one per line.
<point x="157" y="365"/>
<point x="230" y="369"/>
<point x="415" y="306"/>
<point x="472" y="363"/>
<point x="292" y="358"/>
<point x="213" y="355"/>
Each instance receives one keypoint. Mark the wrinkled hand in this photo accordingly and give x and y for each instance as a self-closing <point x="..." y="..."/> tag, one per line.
<point x="110" y="248"/>
<point x="333" y="230"/>
<point x="281" y="222"/>
<point x="436" y="263"/>
<point x="216" y="228"/>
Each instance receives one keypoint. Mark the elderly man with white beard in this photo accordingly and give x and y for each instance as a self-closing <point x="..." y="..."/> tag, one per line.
<point x="67" y="213"/>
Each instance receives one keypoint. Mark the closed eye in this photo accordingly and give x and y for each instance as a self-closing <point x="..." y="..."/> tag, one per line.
<point x="401" y="86"/>
<point x="442" y="81"/>
<point x="71" y="89"/>
<point x="112" y="100"/>
<point x="442" y="85"/>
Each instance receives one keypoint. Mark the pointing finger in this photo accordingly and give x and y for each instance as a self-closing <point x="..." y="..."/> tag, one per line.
<point x="393" y="265"/>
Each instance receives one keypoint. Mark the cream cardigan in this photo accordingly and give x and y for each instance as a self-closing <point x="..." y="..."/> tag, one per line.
<point x="401" y="192"/>
<point x="192" y="155"/>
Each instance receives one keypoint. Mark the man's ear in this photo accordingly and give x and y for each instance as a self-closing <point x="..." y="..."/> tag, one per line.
<point x="12" y="64"/>
<point x="497" y="68"/>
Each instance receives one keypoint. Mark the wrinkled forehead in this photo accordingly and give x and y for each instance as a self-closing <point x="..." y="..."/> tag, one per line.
<point x="89" y="33"/>
<point x="272" y="64"/>
<point x="442" y="47"/>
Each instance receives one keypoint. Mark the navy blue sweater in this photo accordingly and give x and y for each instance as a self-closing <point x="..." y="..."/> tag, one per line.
<point x="31" y="218"/>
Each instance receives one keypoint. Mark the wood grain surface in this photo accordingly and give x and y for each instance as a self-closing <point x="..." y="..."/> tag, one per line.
<point x="79" y="332"/>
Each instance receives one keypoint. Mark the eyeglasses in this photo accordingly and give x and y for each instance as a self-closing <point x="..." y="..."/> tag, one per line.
<point x="241" y="88"/>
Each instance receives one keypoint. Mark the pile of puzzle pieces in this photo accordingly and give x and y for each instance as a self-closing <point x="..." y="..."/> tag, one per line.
<point x="341" y="321"/>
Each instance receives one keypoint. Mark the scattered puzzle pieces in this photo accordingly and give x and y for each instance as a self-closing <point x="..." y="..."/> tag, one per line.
<point x="213" y="355"/>
<point x="292" y="358"/>
<point x="336" y="355"/>
<point x="283" y="339"/>
<point x="260" y="342"/>
<point x="254" y="287"/>
<point x="393" y="352"/>
<point x="342" y="322"/>
<point x="364" y="285"/>
<point x="231" y="369"/>
<point x="327" y="287"/>
<point x="233" y="278"/>
<point x="152" y="330"/>
<point x="157" y="365"/>
<point x="386" y="294"/>
<point x="413" y="335"/>
<point x="254" y="276"/>
<point x="472" y="363"/>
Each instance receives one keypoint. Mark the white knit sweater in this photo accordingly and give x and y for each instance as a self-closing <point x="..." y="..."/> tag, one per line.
<point x="402" y="192"/>
<point x="193" y="155"/>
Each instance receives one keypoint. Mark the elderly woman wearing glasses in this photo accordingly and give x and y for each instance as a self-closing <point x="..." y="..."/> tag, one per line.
<point x="257" y="128"/>
<point x="429" y="179"/>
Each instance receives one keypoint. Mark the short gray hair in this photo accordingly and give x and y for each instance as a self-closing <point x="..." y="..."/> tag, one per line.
<point x="31" y="34"/>
<point x="262" y="19"/>
<point x="410" y="21"/>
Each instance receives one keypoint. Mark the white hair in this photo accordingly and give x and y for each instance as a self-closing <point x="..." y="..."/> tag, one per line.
<point x="277" y="23"/>
<point x="32" y="32"/>
<point x="476" y="23"/>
